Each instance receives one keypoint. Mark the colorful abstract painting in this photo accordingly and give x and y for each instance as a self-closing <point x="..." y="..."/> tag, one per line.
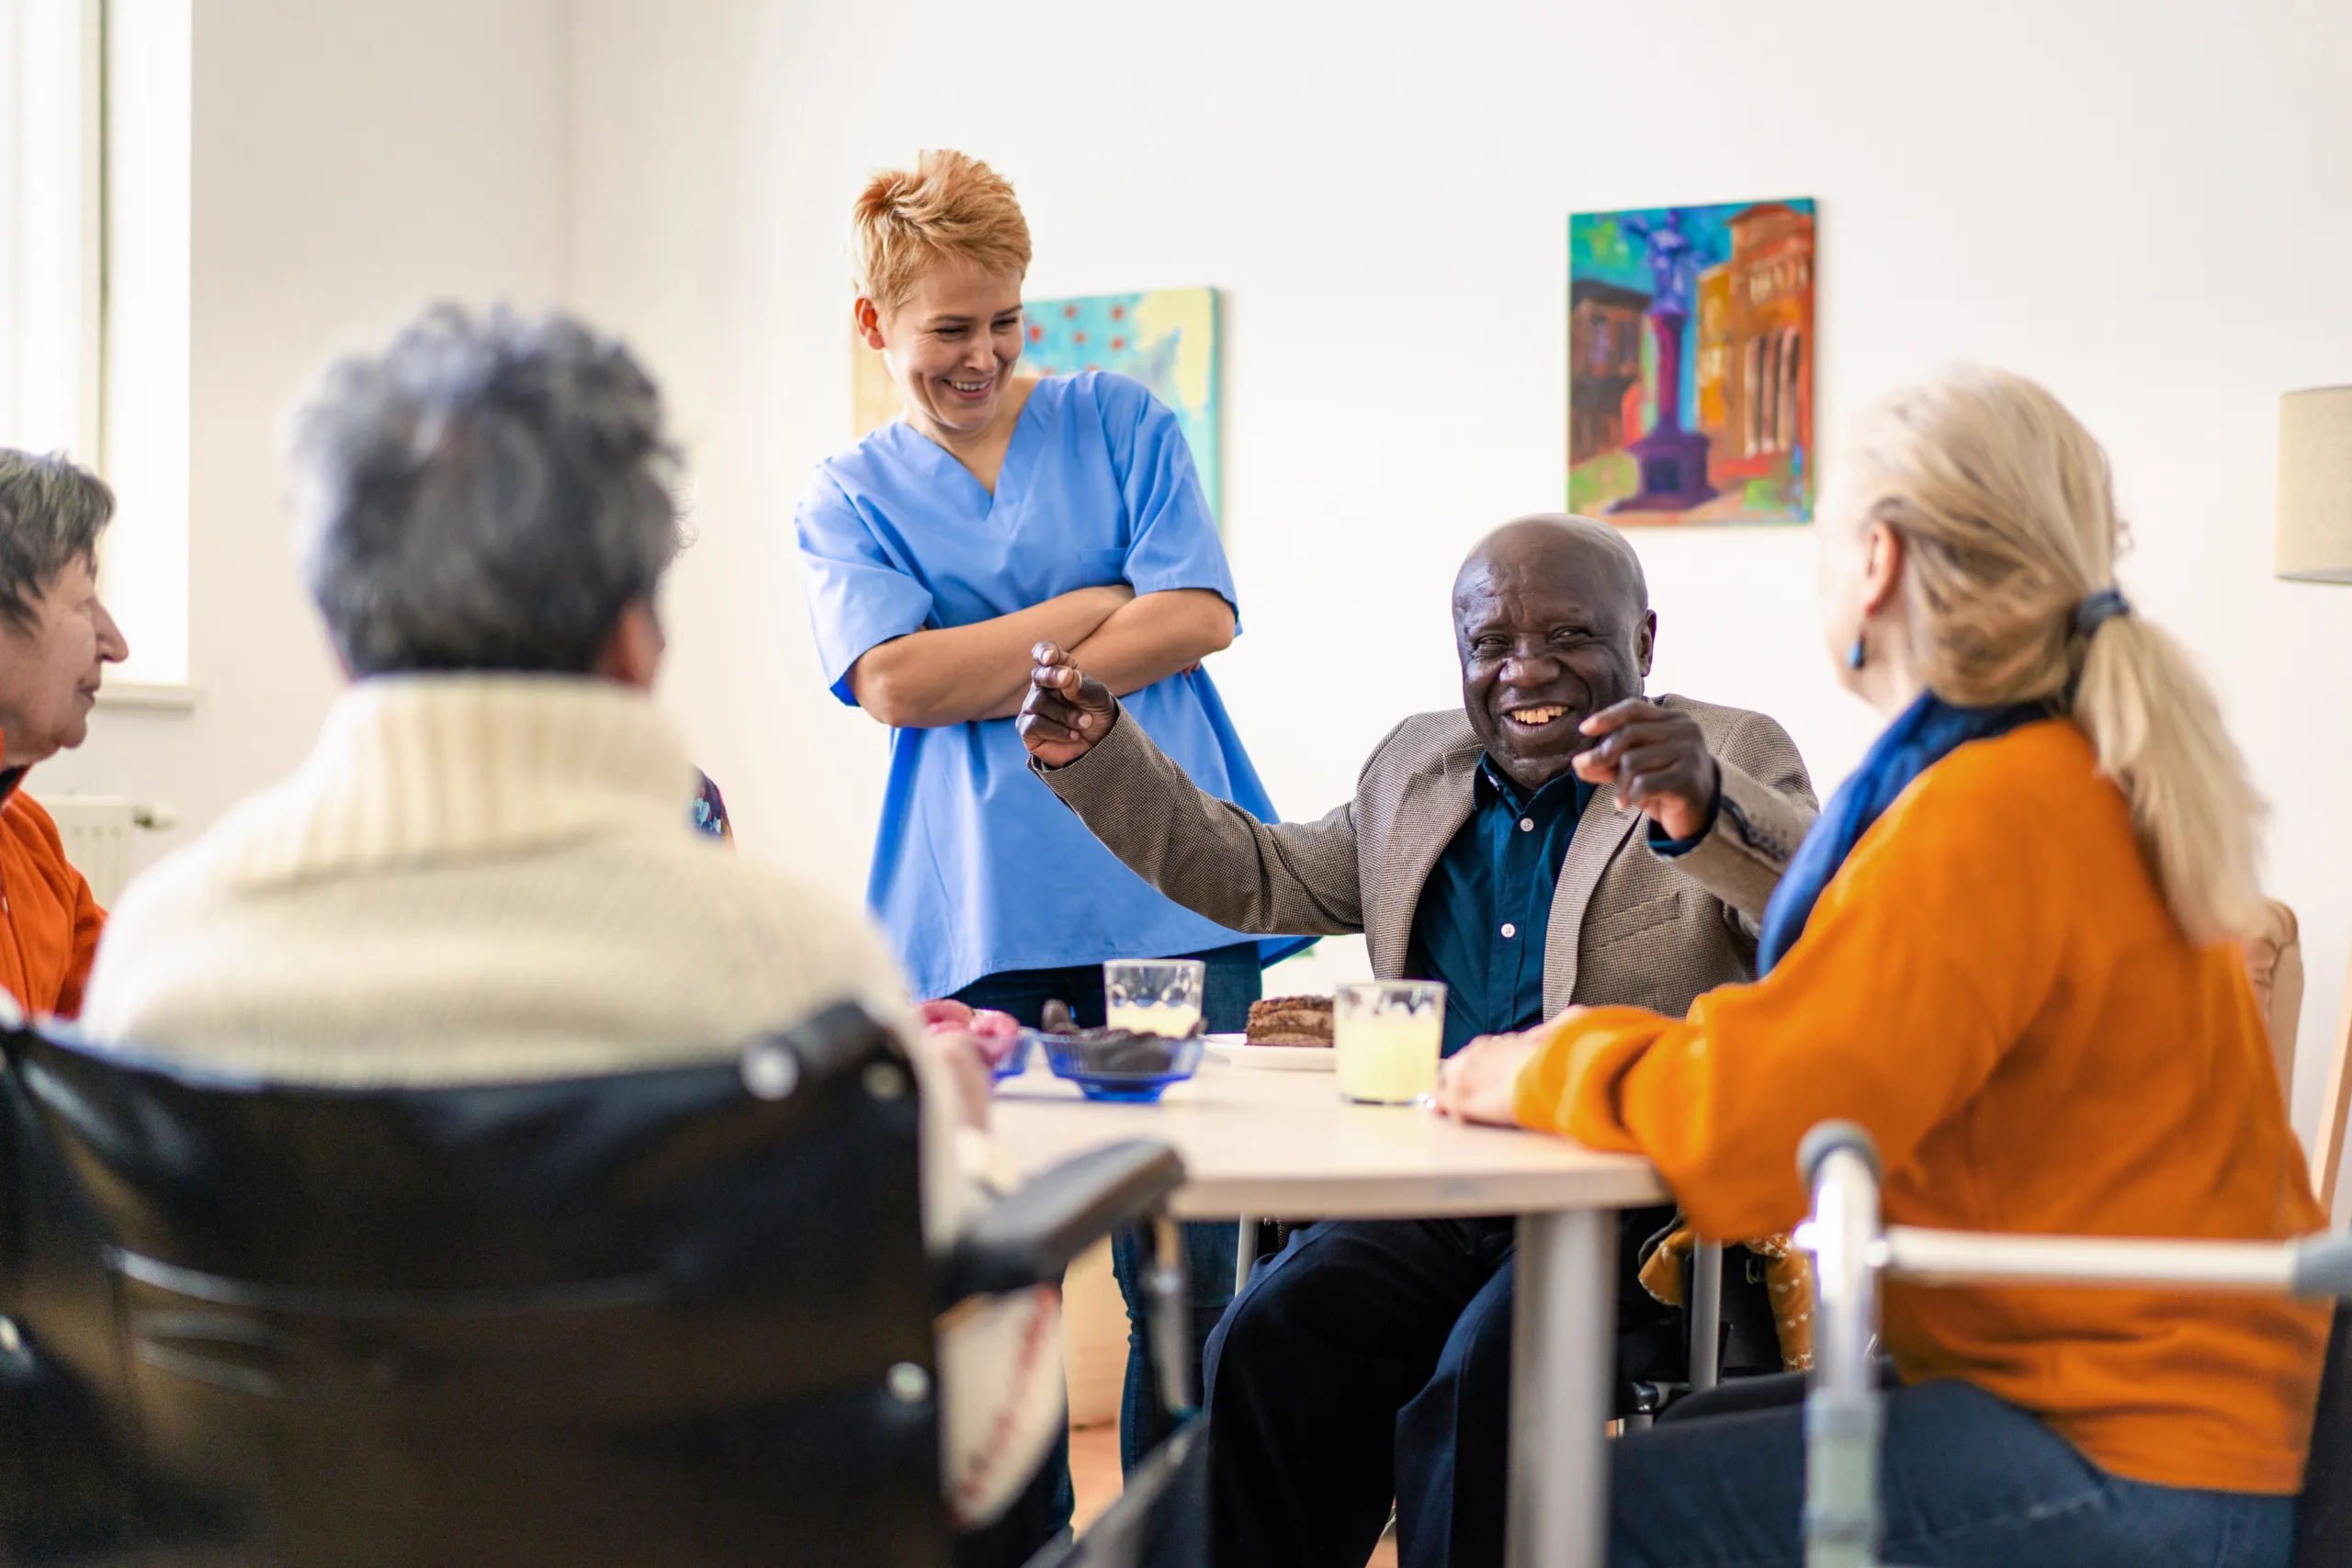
<point x="1165" y="338"/>
<point x="1690" y="356"/>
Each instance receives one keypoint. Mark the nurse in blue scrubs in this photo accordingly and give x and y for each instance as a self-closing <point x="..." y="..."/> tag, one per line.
<point x="997" y="513"/>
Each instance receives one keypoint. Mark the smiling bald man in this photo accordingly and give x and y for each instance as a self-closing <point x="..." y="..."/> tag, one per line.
<point x="1562" y="839"/>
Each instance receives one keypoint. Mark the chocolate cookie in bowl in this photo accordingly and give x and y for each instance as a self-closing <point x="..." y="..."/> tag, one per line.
<point x="1114" y="1063"/>
<point x="1108" y="1050"/>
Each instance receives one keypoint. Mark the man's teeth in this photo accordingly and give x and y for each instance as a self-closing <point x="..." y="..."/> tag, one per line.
<point x="1532" y="718"/>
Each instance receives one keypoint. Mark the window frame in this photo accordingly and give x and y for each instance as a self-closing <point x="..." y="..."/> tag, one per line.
<point x="109" y="388"/>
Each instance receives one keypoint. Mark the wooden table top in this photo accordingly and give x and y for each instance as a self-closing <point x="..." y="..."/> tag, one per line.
<point x="1284" y="1145"/>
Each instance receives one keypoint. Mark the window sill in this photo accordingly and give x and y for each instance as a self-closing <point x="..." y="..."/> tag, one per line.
<point x="167" y="696"/>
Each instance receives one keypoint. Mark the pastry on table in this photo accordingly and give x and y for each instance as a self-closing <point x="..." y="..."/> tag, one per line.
<point x="1291" y="1021"/>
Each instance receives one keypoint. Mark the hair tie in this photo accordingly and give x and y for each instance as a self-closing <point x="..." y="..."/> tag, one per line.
<point x="2097" y="609"/>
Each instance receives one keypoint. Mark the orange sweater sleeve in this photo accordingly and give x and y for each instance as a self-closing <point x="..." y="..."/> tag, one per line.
<point x="1923" y="961"/>
<point x="89" y="924"/>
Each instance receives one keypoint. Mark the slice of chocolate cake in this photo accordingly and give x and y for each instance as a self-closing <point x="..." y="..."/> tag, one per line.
<point x="1291" y="1021"/>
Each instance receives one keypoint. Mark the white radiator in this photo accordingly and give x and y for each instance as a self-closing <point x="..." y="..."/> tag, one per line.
<point x="96" y="829"/>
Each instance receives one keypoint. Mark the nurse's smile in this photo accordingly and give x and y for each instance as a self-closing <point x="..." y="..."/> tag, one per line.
<point x="952" y="345"/>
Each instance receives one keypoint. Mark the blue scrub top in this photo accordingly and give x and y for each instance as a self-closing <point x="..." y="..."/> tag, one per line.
<point x="978" y="867"/>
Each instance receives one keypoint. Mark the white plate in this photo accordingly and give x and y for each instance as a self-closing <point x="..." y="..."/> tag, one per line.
<point x="1236" y="1049"/>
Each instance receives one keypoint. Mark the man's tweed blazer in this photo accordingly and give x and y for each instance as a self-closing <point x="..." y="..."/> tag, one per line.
<point x="1627" y="925"/>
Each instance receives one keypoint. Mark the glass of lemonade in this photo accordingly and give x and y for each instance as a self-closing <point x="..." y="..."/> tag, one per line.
<point x="1388" y="1034"/>
<point x="1154" y="996"/>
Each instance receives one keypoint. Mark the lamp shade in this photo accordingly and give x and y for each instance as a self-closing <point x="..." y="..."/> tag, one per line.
<point x="2315" y="485"/>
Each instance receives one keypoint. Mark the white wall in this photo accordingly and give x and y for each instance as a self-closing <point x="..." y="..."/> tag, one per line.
<point x="349" y="162"/>
<point x="2140" y="204"/>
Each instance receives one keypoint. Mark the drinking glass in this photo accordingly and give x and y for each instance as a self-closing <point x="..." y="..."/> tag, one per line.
<point x="1154" y="996"/>
<point x="1388" y="1034"/>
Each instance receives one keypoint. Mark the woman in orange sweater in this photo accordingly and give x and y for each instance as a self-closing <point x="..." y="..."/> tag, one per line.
<point x="2007" y="949"/>
<point x="56" y="640"/>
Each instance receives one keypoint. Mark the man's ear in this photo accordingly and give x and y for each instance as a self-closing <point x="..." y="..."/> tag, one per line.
<point x="867" y="318"/>
<point x="632" y="651"/>
<point x="1646" y="641"/>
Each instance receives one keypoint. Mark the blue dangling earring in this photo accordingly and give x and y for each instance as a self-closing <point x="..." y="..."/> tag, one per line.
<point x="1856" y="654"/>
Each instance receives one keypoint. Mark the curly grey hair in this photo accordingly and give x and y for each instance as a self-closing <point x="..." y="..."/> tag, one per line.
<point x="51" y="513"/>
<point x="488" y="493"/>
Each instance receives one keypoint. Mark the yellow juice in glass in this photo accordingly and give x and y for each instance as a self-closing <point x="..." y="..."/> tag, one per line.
<point x="1171" y="1021"/>
<point x="1388" y="1035"/>
<point x="1154" y="996"/>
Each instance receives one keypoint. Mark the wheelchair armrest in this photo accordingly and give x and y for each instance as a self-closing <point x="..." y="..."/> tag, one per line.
<point x="1031" y="1236"/>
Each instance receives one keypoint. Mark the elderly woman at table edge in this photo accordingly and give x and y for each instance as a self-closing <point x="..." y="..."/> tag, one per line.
<point x="56" y="640"/>
<point x="2007" y="951"/>
<point x="486" y="869"/>
<point x="1493" y="848"/>
<point x="996" y="511"/>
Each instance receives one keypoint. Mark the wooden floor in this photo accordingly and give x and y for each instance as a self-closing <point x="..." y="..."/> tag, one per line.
<point x="1093" y="1470"/>
<point x="1094" y="1475"/>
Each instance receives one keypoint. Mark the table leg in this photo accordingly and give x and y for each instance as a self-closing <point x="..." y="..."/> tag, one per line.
<point x="1706" y="1313"/>
<point x="1245" y="1253"/>
<point x="1563" y="1345"/>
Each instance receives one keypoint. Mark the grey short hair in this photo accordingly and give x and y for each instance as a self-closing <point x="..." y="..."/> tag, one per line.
<point x="488" y="493"/>
<point x="51" y="513"/>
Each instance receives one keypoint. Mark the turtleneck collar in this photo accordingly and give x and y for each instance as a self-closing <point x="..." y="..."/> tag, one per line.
<point x="416" y="769"/>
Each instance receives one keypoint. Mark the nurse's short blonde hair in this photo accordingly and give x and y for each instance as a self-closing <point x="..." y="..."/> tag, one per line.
<point x="948" y="206"/>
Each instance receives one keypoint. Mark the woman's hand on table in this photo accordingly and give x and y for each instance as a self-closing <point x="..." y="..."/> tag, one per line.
<point x="970" y="1044"/>
<point x="1067" y="711"/>
<point x="1479" y="1082"/>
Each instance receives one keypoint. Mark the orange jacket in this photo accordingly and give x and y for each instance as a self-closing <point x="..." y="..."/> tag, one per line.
<point x="54" y="923"/>
<point x="1994" y="987"/>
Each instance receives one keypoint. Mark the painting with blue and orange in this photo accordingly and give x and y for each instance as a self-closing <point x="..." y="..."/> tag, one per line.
<point x="1691" y="358"/>
<point x="1165" y="338"/>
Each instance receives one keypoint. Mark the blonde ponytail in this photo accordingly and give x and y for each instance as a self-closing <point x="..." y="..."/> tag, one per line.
<point x="2159" y="736"/>
<point x="2006" y="512"/>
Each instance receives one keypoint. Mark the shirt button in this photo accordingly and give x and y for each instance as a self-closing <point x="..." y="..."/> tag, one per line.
<point x="1509" y="929"/>
<point x="1527" y="824"/>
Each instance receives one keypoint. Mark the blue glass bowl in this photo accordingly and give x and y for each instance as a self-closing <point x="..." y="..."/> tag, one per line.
<point x="1016" y="1061"/>
<point x="1068" y="1058"/>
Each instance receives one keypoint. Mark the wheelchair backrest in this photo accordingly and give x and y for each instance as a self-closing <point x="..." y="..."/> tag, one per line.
<point x="670" y="1316"/>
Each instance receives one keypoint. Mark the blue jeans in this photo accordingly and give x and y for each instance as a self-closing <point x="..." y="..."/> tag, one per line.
<point x="1144" y="1421"/>
<point x="1968" y="1482"/>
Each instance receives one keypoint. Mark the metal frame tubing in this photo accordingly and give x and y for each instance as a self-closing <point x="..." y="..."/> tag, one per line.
<point x="1844" y="1414"/>
<point x="1170" y="1316"/>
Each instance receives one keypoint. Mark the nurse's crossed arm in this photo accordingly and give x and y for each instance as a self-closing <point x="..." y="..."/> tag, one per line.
<point x="1149" y="639"/>
<point x="952" y="674"/>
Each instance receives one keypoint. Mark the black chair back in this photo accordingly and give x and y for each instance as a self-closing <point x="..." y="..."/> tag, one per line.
<point x="665" y="1317"/>
<point x="2324" y="1514"/>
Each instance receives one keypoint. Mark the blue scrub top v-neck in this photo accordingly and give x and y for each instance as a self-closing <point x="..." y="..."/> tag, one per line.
<point x="977" y="868"/>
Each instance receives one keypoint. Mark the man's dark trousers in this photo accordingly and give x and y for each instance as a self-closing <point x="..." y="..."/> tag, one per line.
<point x="1371" y="1361"/>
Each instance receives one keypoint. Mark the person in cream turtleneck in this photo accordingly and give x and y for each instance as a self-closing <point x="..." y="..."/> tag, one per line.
<point x="486" y="869"/>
